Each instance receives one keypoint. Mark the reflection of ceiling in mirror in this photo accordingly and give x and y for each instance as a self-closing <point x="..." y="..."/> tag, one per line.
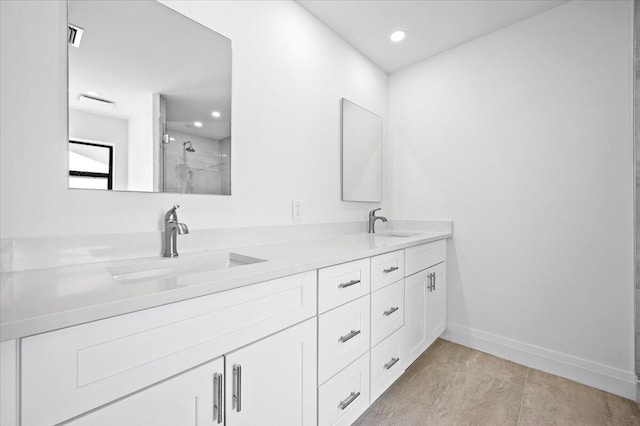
<point x="131" y="50"/>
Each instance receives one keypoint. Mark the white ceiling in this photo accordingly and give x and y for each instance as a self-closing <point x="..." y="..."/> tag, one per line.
<point x="133" y="49"/>
<point x="432" y="26"/>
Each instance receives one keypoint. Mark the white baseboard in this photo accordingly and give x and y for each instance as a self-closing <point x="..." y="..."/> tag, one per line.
<point x="610" y="379"/>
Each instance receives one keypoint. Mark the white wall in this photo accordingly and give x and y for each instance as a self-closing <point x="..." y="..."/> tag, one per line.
<point x="289" y="73"/>
<point x="524" y="139"/>
<point x="99" y="128"/>
<point x="141" y="145"/>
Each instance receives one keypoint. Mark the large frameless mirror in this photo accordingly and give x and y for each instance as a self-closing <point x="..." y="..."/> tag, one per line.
<point x="149" y="100"/>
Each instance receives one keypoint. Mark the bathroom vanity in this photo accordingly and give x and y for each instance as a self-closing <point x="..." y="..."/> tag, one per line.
<point x="313" y="334"/>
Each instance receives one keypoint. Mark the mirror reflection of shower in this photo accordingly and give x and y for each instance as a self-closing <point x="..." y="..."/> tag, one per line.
<point x="188" y="147"/>
<point x="195" y="161"/>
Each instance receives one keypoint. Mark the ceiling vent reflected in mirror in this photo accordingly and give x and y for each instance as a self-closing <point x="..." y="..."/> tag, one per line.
<point x="85" y="97"/>
<point x="75" y="35"/>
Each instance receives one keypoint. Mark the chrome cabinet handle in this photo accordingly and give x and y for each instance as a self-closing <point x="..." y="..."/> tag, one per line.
<point x="217" y="398"/>
<point x="390" y="311"/>
<point x="349" y="336"/>
<point x="348" y="284"/>
<point x="237" y="385"/>
<point x="352" y="397"/>
<point x="393" y="268"/>
<point x="391" y="363"/>
<point x="431" y="281"/>
<point x="434" y="281"/>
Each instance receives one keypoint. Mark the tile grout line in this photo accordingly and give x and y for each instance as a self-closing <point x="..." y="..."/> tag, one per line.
<point x="524" y="388"/>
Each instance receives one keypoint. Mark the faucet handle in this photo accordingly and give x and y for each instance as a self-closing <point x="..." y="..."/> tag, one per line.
<point x="172" y="212"/>
<point x="373" y="212"/>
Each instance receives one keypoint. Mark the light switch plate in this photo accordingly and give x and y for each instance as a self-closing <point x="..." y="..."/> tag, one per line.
<point x="296" y="210"/>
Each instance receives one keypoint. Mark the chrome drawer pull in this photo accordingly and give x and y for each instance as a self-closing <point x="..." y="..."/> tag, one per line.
<point x="217" y="398"/>
<point x="391" y="363"/>
<point x="237" y="391"/>
<point x="390" y="311"/>
<point x="393" y="268"/>
<point x="349" y="336"/>
<point x="352" y="397"/>
<point x="349" y="284"/>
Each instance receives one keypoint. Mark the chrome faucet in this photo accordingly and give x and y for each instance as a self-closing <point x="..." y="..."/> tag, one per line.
<point x="172" y="228"/>
<point x="372" y="220"/>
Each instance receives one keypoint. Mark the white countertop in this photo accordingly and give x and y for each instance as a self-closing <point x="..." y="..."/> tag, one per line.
<point x="42" y="300"/>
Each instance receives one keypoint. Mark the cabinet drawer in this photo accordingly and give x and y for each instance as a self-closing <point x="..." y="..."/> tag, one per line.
<point x="343" y="336"/>
<point x="89" y="365"/>
<point x="386" y="364"/>
<point x="424" y="256"/>
<point x="186" y="400"/>
<point x="346" y="396"/>
<point x="387" y="311"/>
<point x="386" y="269"/>
<point x="343" y="283"/>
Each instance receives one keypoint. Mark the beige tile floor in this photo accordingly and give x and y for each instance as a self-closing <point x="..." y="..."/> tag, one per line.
<point x="455" y="385"/>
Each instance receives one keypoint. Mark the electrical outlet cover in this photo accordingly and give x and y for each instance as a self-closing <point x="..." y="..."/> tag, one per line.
<point x="296" y="210"/>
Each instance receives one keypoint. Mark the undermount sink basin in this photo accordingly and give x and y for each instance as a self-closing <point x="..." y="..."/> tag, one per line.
<point x="396" y="234"/>
<point x="169" y="267"/>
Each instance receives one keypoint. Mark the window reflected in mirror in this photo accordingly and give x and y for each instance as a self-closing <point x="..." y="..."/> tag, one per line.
<point x="90" y="165"/>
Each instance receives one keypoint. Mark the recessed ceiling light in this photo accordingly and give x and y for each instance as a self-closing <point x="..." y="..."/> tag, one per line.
<point x="197" y="124"/>
<point x="172" y="139"/>
<point x="397" y="36"/>
<point x="216" y="114"/>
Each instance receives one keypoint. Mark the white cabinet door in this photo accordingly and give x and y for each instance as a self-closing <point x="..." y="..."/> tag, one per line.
<point x="273" y="381"/>
<point x="185" y="400"/>
<point x="416" y="293"/>
<point x="425" y="298"/>
<point x="9" y="383"/>
<point x="437" y="309"/>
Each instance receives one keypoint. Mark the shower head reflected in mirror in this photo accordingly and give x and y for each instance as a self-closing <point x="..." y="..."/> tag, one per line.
<point x="188" y="147"/>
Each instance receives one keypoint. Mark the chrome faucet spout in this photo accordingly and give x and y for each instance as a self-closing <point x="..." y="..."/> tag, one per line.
<point x="182" y="228"/>
<point x="172" y="228"/>
<point x="372" y="220"/>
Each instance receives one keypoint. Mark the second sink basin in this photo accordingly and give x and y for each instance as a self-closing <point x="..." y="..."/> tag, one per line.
<point x="392" y="234"/>
<point x="169" y="267"/>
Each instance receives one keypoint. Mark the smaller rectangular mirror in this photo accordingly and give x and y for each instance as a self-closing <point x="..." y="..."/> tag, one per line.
<point x="361" y="154"/>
